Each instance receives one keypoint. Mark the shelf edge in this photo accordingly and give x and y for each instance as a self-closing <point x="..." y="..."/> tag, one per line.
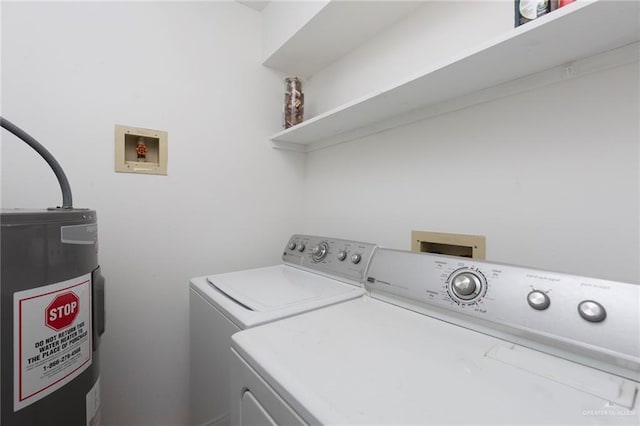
<point x="621" y="56"/>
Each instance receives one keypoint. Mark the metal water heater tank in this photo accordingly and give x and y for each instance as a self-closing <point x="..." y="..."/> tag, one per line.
<point x="49" y="370"/>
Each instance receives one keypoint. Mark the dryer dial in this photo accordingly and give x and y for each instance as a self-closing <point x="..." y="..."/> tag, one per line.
<point x="466" y="285"/>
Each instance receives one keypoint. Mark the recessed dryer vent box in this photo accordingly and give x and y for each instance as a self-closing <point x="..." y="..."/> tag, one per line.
<point x="473" y="246"/>
<point x="141" y="150"/>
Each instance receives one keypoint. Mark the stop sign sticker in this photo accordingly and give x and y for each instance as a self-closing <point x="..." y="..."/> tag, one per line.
<point x="52" y="334"/>
<point x="62" y="311"/>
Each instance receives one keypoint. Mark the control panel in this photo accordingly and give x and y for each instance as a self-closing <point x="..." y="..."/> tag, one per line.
<point x="341" y="259"/>
<point x="592" y="317"/>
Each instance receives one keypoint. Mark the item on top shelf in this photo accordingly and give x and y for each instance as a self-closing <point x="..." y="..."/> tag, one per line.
<point x="293" y="112"/>
<point x="528" y="10"/>
<point x="564" y="2"/>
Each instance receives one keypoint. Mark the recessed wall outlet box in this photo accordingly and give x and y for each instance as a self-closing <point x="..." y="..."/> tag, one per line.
<point x="140" y="150"/>
<point x="462" y="245"/>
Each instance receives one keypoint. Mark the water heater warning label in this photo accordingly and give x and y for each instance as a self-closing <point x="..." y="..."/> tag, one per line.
<point x="52" y="338"/>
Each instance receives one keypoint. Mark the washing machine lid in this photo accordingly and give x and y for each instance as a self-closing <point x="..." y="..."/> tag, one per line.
<point x="270" y="289"/>
<point x="369" y="362"/>
<point x="256" y="296"/>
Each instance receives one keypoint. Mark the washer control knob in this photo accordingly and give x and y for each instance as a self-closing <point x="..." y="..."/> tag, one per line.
<point x="301" y="248"/>
<point x="320" y="251"/>
<point x="538" y="300"/>
<point x="342" y="255"/>
<point x="592" y="311"/>
<point x="465" y="284"/>
<point x="355" y="258"/>
<point x="292" y="245"/>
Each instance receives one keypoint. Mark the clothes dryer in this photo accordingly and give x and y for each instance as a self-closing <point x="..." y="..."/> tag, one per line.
<point x="444" y="340"/>
<point x="316" y="272"/>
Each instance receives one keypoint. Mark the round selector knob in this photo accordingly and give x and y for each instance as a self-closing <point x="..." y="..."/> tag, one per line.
<point x="292" y="245"/>
<point x="592" y="311"/>
<point x="342" y="255"/>
<point x="355" y="258"/>
<point x="320" y="251"/>
<point x="466" y="284"/>
<point x="538" y="300"/>
<point x="301" y="248"/>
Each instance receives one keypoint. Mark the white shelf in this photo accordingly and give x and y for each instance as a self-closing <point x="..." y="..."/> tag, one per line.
<point x="349" y="23"/>
<point x="572" y="33"/>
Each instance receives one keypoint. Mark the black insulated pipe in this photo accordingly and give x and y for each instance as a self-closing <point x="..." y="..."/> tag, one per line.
<point x="67" y="199"/>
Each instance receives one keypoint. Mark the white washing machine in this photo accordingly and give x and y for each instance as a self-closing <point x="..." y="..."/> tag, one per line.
<point x="446" y="340"/>
<point x="316" y="272"/>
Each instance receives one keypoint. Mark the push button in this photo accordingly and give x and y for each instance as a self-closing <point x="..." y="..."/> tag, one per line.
<point x="592" y="311"/>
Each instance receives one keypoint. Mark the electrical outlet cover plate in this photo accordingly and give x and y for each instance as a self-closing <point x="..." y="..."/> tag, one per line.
<point x="126" y="158"/>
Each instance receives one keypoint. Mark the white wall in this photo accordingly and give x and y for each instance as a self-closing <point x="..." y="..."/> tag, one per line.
<point x="429" y="35"/>
<point x="551" y="176"/>
<point x="282" y="19"/>
<point x="70" y="71"/>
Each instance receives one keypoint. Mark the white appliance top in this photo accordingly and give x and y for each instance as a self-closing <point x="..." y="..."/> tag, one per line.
<point x="317" y="271"/>
<point x="448" y="340"/>
<point x="369" y="362"/>
<point x="256" y="296"/>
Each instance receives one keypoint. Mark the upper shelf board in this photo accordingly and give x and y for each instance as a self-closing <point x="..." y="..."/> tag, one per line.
<point x="576" y="31"/>
<point x="337" y="28"/>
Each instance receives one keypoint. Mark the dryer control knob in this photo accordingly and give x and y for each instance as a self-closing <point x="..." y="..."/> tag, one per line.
<point x="342" y="255"/>
<point x="538" y="300"/>
<point x="592" y="311"/>
<point x="355" y="258"/>
<point x="292" y="245"/>
<point x="301" y="248"/>
<point x="465" y="284"/>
